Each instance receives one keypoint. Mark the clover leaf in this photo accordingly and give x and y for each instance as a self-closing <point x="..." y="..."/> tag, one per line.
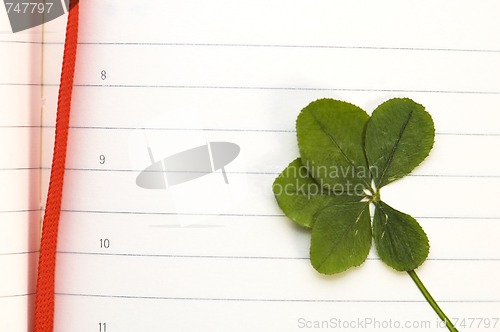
<point x="399" y="136"/>
<point x="301" y="197"/>
<point x="341" y="237"/>
<point x="330" y="135"/>
<point x="346" y="156"/>
<point x="400" y="241"/>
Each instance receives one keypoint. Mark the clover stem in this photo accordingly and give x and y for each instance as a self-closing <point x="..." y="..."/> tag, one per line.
<point x="431" y="301"/>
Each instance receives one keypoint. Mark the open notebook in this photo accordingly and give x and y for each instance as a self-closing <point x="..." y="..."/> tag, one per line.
<point x="156" y="78"/>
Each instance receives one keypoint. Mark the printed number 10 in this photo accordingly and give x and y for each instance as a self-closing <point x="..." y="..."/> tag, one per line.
<point x="104" y="244"/>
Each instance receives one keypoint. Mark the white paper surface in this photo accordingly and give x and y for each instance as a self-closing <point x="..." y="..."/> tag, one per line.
<point x="205" y="255"/>
<point x="20" y="216"/>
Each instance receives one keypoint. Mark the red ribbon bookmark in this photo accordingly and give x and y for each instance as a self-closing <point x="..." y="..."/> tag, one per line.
<point x="44" y="305"/>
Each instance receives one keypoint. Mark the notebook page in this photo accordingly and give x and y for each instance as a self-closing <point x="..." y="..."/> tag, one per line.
<point x="155" y="79"/>
<point x="20" y="121"/>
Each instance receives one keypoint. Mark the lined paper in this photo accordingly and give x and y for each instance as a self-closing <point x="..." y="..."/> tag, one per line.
<point x="170" y="76"/>
<point x="20" y="133"/>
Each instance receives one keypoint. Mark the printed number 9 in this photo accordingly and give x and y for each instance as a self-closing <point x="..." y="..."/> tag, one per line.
<point x="102" y="159"/>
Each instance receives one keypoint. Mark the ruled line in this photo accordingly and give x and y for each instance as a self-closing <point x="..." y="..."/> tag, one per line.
<point x="249" y="45"/>
<point x="250" y="130"/>
<point x="264" y="88"/>
<point x="257" y="173"/>
<point x="270" y="88"/>
<point x="243" y="215"/>
<point x="16" y="295"/>
<point x="139" y="297"/>
<point x="172" y="213"/>
<point x="22" y="210"/>
<point x="20" y="253"/>
<point x="281" y="258"/>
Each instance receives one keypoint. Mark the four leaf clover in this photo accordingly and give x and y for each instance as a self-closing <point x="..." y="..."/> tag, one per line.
<point x="346" y="157"/>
